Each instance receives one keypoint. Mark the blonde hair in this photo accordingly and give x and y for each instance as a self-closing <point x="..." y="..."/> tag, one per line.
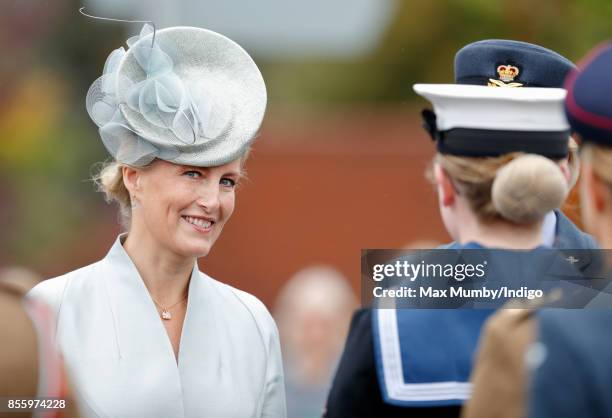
<point x="600" y="159"/>
<point x="109" y="181"/>
<point x="518" y="187"/>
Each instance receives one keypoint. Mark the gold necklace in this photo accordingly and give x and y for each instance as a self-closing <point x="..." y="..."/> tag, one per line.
<point x="165" y="314"/>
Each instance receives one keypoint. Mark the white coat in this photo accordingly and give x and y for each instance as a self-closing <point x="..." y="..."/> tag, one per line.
<point x="121" y="359"/>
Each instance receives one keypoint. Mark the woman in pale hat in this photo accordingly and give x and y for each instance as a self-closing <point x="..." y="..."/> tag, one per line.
<point x="145" y="333"/>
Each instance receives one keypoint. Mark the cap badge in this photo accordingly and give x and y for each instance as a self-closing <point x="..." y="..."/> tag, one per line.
<point x="507" y="74"/>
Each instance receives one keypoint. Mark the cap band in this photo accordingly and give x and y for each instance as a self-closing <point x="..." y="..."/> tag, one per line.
<point x="469" y="142"/>
<point x="488" y="143"/>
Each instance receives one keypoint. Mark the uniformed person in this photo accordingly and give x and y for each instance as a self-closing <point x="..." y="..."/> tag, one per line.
<point x="471" y="149"/>
<point x="571" y="359"/>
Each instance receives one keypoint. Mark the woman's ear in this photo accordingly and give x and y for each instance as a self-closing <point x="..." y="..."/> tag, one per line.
<point x="445" y="186"/>
<point x="131" y="179"/>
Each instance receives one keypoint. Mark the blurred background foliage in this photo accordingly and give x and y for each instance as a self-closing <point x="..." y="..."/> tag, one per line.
<point x="51" y="55"/>
<point x="422" y="38"/>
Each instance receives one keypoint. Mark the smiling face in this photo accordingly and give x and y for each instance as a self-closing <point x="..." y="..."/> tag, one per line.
<point x="182" y="208"/>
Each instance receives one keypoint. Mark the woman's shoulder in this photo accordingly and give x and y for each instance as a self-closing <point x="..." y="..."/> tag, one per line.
<point x="51" y="291"/>
<point x="239" y="300"/>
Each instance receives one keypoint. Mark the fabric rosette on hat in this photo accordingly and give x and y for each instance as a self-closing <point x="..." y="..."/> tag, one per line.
<point x="182" y="94"/>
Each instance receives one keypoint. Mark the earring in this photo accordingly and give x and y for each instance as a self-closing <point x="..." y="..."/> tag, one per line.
<point x="134" y="202"/>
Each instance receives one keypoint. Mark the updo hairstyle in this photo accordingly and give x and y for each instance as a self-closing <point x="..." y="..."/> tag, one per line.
<point x="516" y="187"/>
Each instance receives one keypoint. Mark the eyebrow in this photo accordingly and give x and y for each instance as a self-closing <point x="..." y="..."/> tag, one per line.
<point x="205" y="169"/>
<point x="233" y="173"/>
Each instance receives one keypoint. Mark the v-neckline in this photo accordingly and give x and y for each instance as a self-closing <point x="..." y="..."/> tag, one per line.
<point x="176" y="357"/>
<point x="131" y="281"/>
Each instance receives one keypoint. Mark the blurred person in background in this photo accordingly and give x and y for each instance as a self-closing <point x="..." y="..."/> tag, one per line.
<point x="496" y="181"/>
<point x="313" y="311"/>
<point x="145" y="333"/>
<point x="422" y="245"/>
<point x="553" y="362"/>
<point x="19" y="277"/>
<point x="30" y="365"/>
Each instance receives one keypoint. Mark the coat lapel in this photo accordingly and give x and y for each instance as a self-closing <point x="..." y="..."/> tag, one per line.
<point x="221" y="356"/>
<point x="146" y="359"/>
<point x="200" y="359"/>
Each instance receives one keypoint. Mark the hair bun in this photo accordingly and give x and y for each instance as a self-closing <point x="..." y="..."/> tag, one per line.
<point x="527" y="188"/>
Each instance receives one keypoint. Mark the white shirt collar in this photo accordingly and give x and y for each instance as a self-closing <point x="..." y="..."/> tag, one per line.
<point x="549" y="229"/>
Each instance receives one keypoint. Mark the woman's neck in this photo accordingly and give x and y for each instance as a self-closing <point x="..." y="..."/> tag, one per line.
<point x="501" y="234"/>
<point x="165" y="274"/>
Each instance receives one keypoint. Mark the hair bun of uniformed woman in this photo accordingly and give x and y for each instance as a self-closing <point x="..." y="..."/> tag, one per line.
<point x="527" y="188"/>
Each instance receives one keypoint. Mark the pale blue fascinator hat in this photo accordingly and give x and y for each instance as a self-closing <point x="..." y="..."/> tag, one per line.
<point x="182" y="94"/>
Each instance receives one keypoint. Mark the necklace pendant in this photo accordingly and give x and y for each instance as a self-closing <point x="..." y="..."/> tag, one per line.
<point x="166" y="315"/>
